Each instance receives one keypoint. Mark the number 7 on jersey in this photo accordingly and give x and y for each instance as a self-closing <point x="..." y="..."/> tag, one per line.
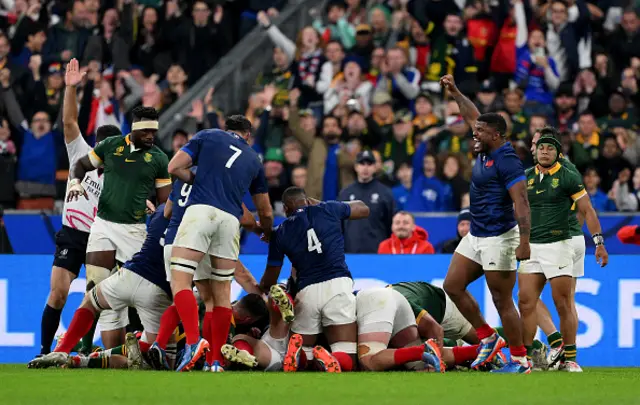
<point x="233" y="157"/>
<point x="313" y="243"/>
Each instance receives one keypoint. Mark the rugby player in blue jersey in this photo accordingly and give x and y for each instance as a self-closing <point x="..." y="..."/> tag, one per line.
<point x="227" y="169"/>
<point x="311" y="237"/>
<point x="141" y="284"/>
<point x="498" y="237"/>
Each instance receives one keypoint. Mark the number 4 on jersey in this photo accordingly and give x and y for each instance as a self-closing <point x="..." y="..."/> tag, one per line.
<point x="313" y="243"/>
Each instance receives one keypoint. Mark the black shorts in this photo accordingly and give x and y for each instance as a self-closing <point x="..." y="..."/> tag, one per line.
<point x="71" y="249"/>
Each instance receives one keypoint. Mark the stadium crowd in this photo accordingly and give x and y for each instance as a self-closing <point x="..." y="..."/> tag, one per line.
<point x="363" y="76"/>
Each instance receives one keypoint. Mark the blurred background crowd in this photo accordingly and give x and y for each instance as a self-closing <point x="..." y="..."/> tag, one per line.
<point x="351" y="106"/>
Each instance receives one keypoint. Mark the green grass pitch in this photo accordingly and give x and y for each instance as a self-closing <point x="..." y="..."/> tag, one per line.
<point x="18" y="385"/>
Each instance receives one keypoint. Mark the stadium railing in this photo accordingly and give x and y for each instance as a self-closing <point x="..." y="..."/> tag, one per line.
<point x="233" y="77"/>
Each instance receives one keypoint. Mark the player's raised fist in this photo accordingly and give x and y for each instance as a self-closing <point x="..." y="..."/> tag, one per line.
<point x="448" y="83"/>
<point x="523" y="251"/>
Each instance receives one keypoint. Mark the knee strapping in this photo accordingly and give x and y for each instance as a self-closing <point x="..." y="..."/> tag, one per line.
<point x="366" y="349"/>
<point x="345" y="347"/>
<point x="183" y="265"/>
<point x="222" y="274"/>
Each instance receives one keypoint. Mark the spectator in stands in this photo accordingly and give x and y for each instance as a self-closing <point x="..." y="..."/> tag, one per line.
<point x="280" y="72"/>
<point x="364" y="236"/>
<point x="610" y="163"/>
<point x="180" y="138"/>
<point x="401" y="81"/>
<point x="334" y="52"/>
<point x="277" y="180"/>
<point x="536" y="122"/>
<point x="536" y="71"/>
<point x="348" y="87"/>
<point x="380" y="17"/>
<point x="151" y="48"/>
<point x="599" y="199"/>
<point x="566" y="114"/>
<point x="399" y="147"/>
<point x="488" y="99"/>
<point x="7" y="146"/>
<point x="329" y="165"/>
<point x="406" y="237"/>
<point x="111" y="45"/>
<point x="299" y="176"/>
<point x="200" y="42"/>
<point x="363" y="49"/>
<point x="623" y="44"/>
<point x="464" y="224"/>
<point x="425" y="118"/>
<point x="292" y="152"/>
<point x="514" y="101"/>
<point x="356" y="12"/>
<point x="19" y="78"/>
<point x="629" y="143"/>
<point x="36" y="36"/>
<point x="381" y="121"/>
<point x="248" y="18"/>
<point x="626" y="192"/>
<point x="564" y="36"/>
<point x="273" y="120"/>
<point x="427" y="190"/>
<point x="337" y="27"/>
<point x="619" y="115"/>
<point x="455" y="186"/>
<point x="402" y="191"/>
<point x="67" y="39"/>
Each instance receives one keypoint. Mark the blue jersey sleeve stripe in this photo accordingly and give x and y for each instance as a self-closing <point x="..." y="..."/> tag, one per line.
<point x="514" y="181"/>
<point x="273" y="262"/>
<point x="187" y="151"/>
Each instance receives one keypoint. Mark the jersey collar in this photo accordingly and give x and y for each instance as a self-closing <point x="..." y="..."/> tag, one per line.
<point x="127" y="139"/>
<point x="499" y="151"/>
<point x="553" y="170"/>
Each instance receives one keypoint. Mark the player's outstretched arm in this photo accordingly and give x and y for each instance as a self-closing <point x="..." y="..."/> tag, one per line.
<point x="248" y="221"/>
<point x="265" y="213"/>
<point x="73" y="76"/>
<point x="246" y="280"/>
<point x="269" y="278"/>
<point x="428" y="328"/>
<point x="583" y="204"/>
<point x="468" y="110"/>
<point x="359" y="210"/>
<point x="179" y="167"/>
<point x="518" y="193"/>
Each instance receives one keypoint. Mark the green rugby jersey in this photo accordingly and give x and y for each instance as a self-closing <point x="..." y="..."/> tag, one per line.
<point x="551" y="197"/>
<point x="574" y="225"/>
<point x="129" y="176"/>
<point x="424" y="298"/>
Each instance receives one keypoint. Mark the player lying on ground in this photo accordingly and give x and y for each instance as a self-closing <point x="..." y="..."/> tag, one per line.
<point x="266" y="353"/>
<point x="498" y="237"/>
<point x="311" y="237"/>
<point x="227" y="169"/>
<point x="553" y="189"/>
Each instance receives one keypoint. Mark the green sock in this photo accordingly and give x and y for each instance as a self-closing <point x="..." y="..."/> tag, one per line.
<point x="101" y="361"/>
<point x="529" y="351"/>
<point x="555" y="339"/>
<point x="449" y="343"/>
<point x="570" y="353"/>
<point x="87" y="340"/>
<point x="537" y="345"/>
<point x="118" y="350"/>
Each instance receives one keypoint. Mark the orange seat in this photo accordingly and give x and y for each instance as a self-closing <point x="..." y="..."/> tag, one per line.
<point x="44" y="203"/>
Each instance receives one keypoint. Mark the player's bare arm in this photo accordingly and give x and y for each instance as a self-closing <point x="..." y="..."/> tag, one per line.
<point x="359" y="210"/>
<point x="518" y="193"/>
<point x="168" y="209"/>
<point x="248" y="221"/>
<point x="270" y="277"/>
<point x="428" y="328"/>
<point x="72" y="78"/>
<point x="265" y="214"/>
<point x="162" y="193"/>
<point x="179" y="167"/>
<point x="246" y="280"/>
<point x="82" y="166"/>
<point x="593" y="224"/>
<point x="467" y="109"/>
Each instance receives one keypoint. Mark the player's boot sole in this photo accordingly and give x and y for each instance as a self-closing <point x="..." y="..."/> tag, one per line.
<point x="280" y="297"/>
<point x="290" y="363"/>
<point x="435" y="350"/>
<point x="134" y="356"/>
<point x="155" y="358"/>
<point x="233" y="355"/>
<point x="202" y="347"/>
<point x="326" y="360"/>
<point x="53" y="359"/>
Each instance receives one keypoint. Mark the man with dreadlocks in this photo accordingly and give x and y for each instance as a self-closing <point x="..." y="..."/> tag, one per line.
<point x="552" y="190"/>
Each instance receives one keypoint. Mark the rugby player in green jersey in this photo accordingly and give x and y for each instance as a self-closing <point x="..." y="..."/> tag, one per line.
<point x="552" y="190"/>
<point x="133" y="168"/>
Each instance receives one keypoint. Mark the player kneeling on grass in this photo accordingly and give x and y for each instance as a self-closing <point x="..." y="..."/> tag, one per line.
<point x="552" y="190"/>
<point x="140" y="284"/>
<point x="266" y="353"/>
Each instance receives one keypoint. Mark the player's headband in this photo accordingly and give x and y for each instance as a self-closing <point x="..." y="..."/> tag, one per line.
<point x="550" y="140"/>
<point x="140" y="125"/>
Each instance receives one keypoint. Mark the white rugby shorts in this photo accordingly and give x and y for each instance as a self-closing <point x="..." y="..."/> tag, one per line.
<point x="324" y="304"/>
<point x="493" y="253"/>
<point x="383" y="310"/>
<point x="203" y="270"/>
<point x="125" y="239"/>
<point x="209" y="230"/>
<point x="455" y="325"/>
<point x="550" y="259"/>
<point x="128" y="289"/>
